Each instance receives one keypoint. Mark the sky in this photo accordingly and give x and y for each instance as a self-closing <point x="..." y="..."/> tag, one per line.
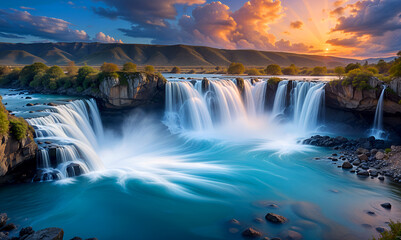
<point x="345" y="28"/>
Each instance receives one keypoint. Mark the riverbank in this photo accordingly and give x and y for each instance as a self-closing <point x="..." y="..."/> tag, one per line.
<point x="366" y="157"/>
<point x="10" y="231"/>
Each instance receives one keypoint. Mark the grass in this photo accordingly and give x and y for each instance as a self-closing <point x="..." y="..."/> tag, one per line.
<point x="393" y="234"/>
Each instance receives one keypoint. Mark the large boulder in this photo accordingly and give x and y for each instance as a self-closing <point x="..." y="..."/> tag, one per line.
<point x="275" y="218"/>
<point x="47" y="234"/>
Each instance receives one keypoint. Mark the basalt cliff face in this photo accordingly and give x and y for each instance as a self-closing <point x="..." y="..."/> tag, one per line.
<point x="132" y="90"/>
<point x="349" y="98"/>
<point x="17" y="157"/>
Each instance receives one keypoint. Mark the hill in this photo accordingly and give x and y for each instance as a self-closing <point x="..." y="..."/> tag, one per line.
<point x="157" y="55"/>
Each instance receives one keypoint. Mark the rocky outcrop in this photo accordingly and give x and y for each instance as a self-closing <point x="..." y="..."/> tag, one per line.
<point x="17" y="157"/>
<point x="132" y="90"/>
<point x="348" y="97"/>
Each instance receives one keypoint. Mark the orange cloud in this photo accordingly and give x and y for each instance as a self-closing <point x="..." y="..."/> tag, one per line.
<point x="296" y="24"/>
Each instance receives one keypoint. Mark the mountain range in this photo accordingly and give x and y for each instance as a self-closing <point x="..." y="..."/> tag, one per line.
<point x="157" y="55"/>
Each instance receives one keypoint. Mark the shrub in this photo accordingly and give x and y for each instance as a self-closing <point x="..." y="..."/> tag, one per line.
<point x="4" y="123"/>
<point x="339" y="71"/>
<point x="7" y="79"/>
<point x="129" y="67"/>
<point x="253" y="71"/>
<point x="175" y="70"/>
<point x="149" y="69"/>
<point x="191" y="71"/>
<point x="37" y="80"/>
<point x="393" y="233"/>
<point x="236" y="68"/>
<point x="109" y="67"/>
<point x="82" y="73"/>
<point x="71" y="68"/>
<point x="273" y="69"/>
<point x="28" y="72"/>
<point x="18" y="128"/>
<point x="358" y="78"/>
<point x="352" y="66"/>
<point x="274" y="80"/>
<point x="91" y="80"/>
<point x="372" y="70"/>
<point x="79" y="89"/>
<point x="382" y="66"/>
<point x="387" y="150"/>
<point x="291" y="70"/>
<point x="54" y="72"/>
<point x="5" y="70"/>
<point x="319" y="71"/>
<point x="395" y="70"/>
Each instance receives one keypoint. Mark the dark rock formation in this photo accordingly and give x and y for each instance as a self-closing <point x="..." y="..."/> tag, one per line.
<point x="275" y="218"/>
<point x="132" y="90"/>
<point x="251" y="233"/>
<point x="17" y="157"/>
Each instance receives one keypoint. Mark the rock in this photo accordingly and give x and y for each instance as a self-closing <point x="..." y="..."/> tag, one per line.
<point x="47" y="234"/>
<point x="3" y="236"/>
<point x="234" y="222"/>
<point x="26" y="231"/>
<point x="9" y="227"/>
<point x="346" y="165"/>
<point x="275" y="218"/>
<point x="373" y="173"/>
<point x="363" y="157"/>
<point x="258" y="220"/>
<point x="52" y="104"/>
<point x="76" y="238"/>
<point x="356" y="163"/>
<point x="379" y="156"/>
<point x="3" y="219"/>
<point x="373" y="151"/>
<point x="380" y="229"/>
<point x="48" y="142"/>
<point x="251" y="233"/>
<point x="74" y="170"/>
<point x="28" y="97"/>
<point x="381" y="178"/>
<point x="386" y="205"/>
<point x="291" y="235"/>
<point x="370" y="213"/>
<point x="233" y="230"/>
<point x="29" y="104"/>
<point x="334" y="154"/>
<point x="363" y="173"/>
<point x="360" y="151"/>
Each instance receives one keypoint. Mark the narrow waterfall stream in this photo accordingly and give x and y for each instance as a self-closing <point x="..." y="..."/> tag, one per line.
<point x="377" y="130"/>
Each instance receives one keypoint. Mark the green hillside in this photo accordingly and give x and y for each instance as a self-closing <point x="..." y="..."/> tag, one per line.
<point x="157" y="55"/>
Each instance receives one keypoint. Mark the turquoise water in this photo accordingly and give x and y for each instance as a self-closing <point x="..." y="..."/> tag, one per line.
<point x="188" y="185"/>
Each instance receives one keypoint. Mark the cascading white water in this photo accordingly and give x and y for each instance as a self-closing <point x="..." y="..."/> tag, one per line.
<point x="377" y="131"/>
<point x="280" y="98"/>
<point x="190" y="107"/>
<point x="68" y="139"/>
<point x="307" y="104"/>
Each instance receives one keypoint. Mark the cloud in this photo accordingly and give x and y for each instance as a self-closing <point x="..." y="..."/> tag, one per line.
<point x="7" y="35"/>
<point x="372" y="18"/>
<point x="214" y="24"/>
<point x="23" y="23"/>
<point x="296" y="24"/>
<point x="339" y="3"/>
<point x="27" y="8"/>
<point x="338" y="11"/>
<point x="346" y="42"/>
<point x="284" y="45"/>
<point x="154" y="12"/>
<point x="101" y="37"/>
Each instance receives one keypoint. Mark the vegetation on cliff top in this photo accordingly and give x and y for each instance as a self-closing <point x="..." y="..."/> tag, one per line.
<point x="40" y="76"/>
<point x="11" y="125"/>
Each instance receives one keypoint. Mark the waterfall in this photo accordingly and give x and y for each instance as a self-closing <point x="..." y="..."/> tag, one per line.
<point x="189" y="107"/>
<point x="280" y="98"/>
<point x="68" y="139"/>
<point x="377" y="131"/>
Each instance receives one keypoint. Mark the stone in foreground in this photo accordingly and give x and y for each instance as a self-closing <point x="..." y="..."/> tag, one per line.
<point x="251" y="233"/>
<point x="275" y="218"/>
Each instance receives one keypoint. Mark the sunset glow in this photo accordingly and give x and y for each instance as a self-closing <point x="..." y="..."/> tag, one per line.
<point x="349" y="28"/>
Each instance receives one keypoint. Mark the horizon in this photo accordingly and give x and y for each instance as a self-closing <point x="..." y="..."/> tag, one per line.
<point x="339" y="28"/>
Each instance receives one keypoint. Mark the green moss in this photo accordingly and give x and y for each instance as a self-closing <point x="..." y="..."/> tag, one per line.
<point x="399" y="102"/>
<point x="18" y="128"/>
<point x="391" y="91"/>
<point x="392" y="234"/>
<point x="4" y="123"/>
<point x="387" y="150"/>
<point x="274" y="80"/>
<point x="79" y="89"/>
